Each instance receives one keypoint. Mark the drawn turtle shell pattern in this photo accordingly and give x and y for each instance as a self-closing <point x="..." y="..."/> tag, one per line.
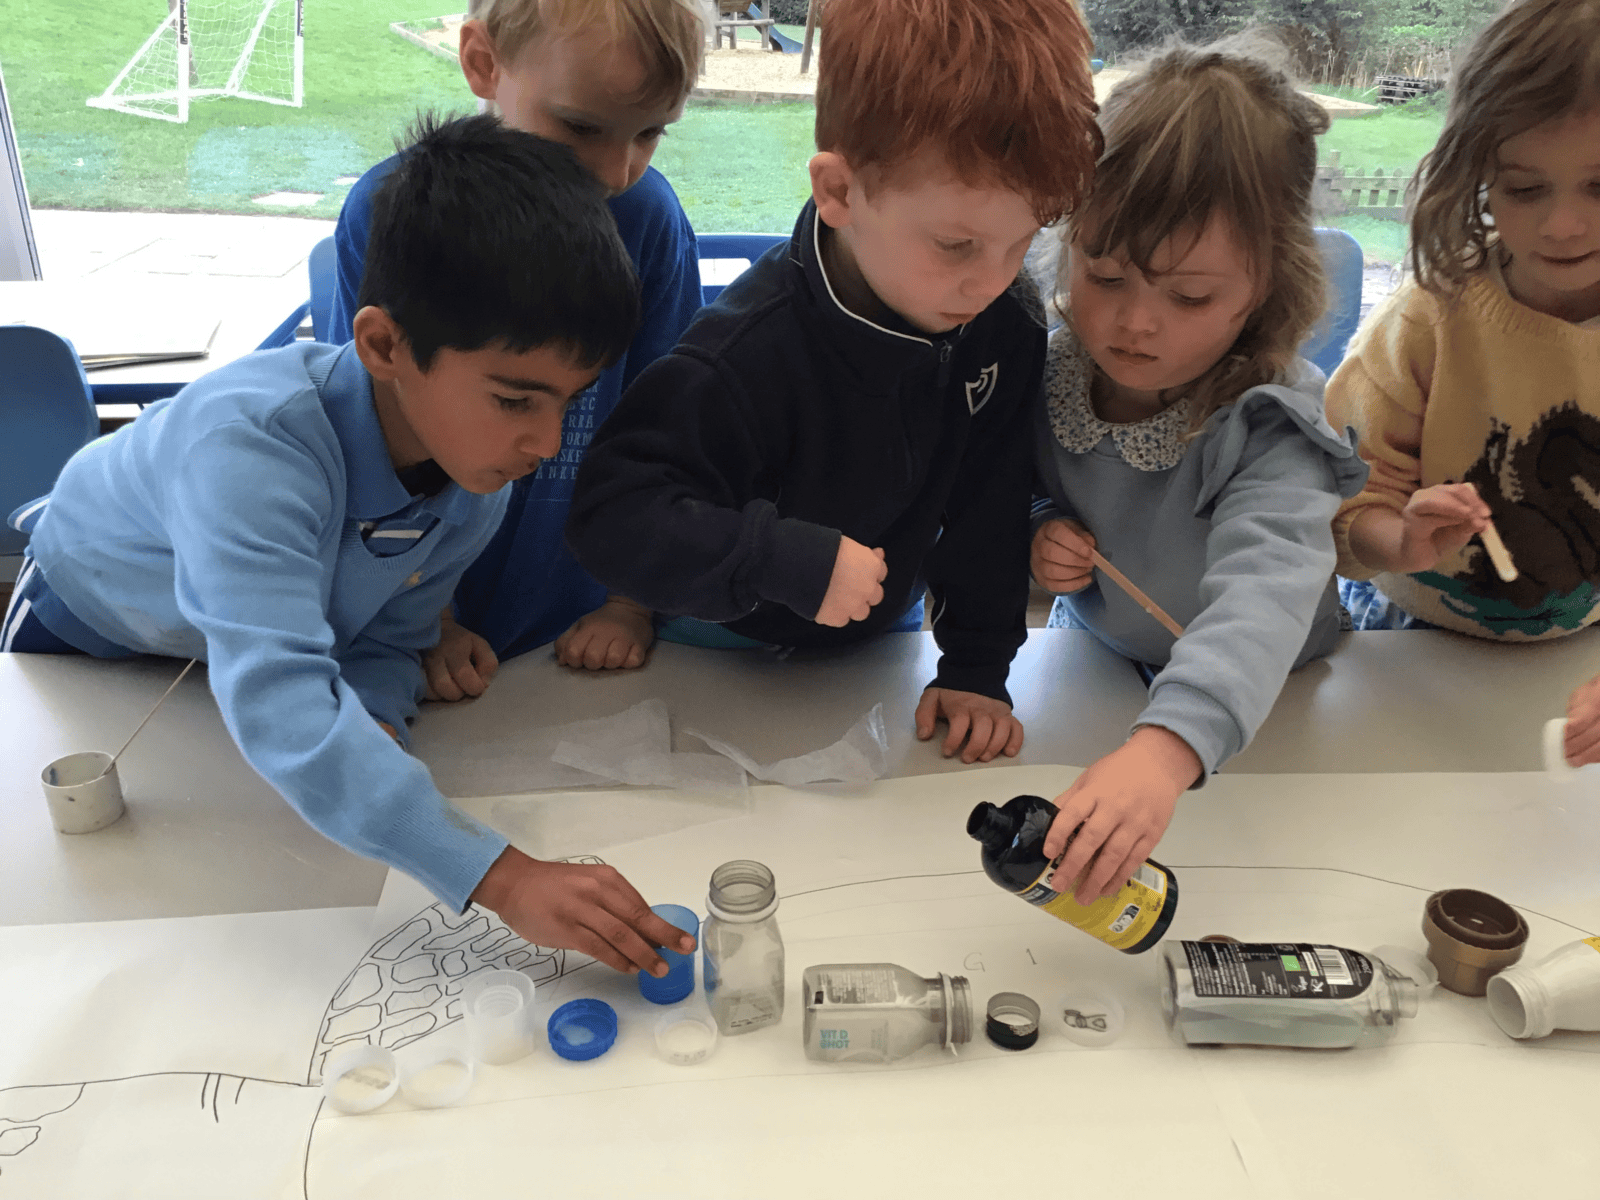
<point x="409" y="984"/>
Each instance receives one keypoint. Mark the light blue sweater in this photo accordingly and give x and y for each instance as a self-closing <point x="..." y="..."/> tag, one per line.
<point x="224" y="524"/>
<point x="1233" y="539"/>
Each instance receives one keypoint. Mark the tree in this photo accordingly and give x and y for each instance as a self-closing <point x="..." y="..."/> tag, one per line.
<point x="1123" y="25"/>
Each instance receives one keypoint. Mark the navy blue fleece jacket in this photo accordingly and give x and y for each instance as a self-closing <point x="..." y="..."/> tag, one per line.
<point x="720" y="486"/>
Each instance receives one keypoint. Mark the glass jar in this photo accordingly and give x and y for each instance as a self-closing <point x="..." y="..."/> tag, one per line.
<point x="742" y="948"/>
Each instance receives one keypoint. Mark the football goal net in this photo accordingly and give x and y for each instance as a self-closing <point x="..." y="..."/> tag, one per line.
<point x="253" y="49"/>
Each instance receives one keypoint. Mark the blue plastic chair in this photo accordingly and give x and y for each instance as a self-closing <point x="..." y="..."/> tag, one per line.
<point x="1343" y="264"/>
<point x="746" y="246"/>
<point x="320" y="266"/>
<point x="46" y="415"/>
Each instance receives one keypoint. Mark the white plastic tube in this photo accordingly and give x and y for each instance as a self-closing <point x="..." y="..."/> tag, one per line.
<point x="1561" y="991"/>
<point x="1555" y="754"/>
<point x="83" y="791"/>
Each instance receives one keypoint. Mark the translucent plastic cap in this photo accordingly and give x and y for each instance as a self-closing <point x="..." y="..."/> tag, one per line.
<point x="1411" y="975"/>
<point x="1090" y="1014"/>
<point x="499" y="1008"/>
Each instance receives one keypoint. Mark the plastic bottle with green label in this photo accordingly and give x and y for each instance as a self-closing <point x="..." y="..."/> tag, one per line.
<point x="1281" y="994"/>
<point x="1132" y="920"/>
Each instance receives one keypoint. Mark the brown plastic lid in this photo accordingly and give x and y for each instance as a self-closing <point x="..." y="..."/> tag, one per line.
<point x="1471" y="936"/>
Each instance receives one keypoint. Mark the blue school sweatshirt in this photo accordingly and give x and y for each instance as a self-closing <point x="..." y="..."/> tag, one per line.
<point x="782" y="421"/>
<point x="526" y="588"/>
<point x="225" y="524"/>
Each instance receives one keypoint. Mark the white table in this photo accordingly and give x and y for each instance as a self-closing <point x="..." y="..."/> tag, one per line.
<point x="894" y="882"/>
<point x="205" y="834"/>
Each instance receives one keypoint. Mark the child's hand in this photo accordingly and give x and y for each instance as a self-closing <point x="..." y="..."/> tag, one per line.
<point x="1061" y="556"/>
<point x="1583" y="724"/>
<point x="856" y="585"/>
<point x="1436" y="521"/>
<point x="578" y="906"/>
<point x="984" y="723"/>
<point x="615" y="636"/>
<point x="461" y="665"/>
<point x="1124" y="803"/>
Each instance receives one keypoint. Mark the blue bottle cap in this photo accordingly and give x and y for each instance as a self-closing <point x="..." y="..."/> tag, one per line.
<point x="582" y="1029"/>
<point x="678" y="982"/>
<point x="668" y="990"/>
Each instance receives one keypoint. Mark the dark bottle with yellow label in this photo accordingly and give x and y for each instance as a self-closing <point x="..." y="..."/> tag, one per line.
<point x="1013" y="834"/>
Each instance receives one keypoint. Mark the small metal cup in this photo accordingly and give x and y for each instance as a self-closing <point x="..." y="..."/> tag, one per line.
<point x="83" y="792"/>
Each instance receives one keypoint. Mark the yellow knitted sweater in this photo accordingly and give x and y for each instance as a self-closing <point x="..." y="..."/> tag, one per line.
<point x="1481" y="389"/>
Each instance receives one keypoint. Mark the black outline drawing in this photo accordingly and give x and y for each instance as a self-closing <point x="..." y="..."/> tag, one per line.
<point x="407" y="986"/>
<point x="410" y="973"/>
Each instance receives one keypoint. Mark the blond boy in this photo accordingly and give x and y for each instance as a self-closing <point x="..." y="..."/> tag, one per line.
<point x="605" y="77"/>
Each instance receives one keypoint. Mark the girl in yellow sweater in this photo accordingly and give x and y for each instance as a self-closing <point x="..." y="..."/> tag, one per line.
<point x="1476" y="387"/>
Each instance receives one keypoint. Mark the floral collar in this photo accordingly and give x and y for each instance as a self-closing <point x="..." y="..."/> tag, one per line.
<point x="1154" y="444"/>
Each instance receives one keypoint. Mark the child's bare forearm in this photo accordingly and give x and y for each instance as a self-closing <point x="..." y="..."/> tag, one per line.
<point x="1375" y="537"/>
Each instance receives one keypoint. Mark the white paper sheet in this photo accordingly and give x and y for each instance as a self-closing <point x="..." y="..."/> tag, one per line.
<point x="165" y="1058"/>
<point x="885" y="875"/>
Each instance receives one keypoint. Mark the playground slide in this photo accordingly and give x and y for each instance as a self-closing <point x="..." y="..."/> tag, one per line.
<point x="785" y="43"/>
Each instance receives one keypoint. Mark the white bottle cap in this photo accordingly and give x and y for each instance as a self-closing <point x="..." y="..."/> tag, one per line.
<point x="438" y="1077"/>
<point x="685" y="1036"/>
<point x="1089" y="1013"/>
<point x="360" y="1079"/>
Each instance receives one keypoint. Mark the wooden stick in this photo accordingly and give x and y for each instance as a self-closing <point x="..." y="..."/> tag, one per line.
<point x="1498" y="554"/>
<point x="151" y="713"/>
<point x="1139" y="598"/>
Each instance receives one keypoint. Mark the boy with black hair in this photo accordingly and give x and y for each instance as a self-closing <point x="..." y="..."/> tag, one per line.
<point x="298" y="518"/>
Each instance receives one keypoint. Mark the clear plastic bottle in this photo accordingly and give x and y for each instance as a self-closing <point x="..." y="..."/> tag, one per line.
<point x="1132" y="920"/>
<point x="742" y="948"/>
<point x="878" y="1012"/>
<point x="1281" y="994"/>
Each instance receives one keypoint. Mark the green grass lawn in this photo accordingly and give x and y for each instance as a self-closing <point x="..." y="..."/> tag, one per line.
<point x="735" y="166"/>
<point x="740" y="167"/>
<point x="1394" y="138"/>
<point x="362" y="84"/>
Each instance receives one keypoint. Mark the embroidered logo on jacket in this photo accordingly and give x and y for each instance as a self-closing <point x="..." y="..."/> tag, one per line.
<point x="980" y="389"/>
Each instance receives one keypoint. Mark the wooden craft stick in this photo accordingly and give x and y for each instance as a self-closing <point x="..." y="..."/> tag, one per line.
<point x="1139" y="598"/>
<point x="1498" y="554"/>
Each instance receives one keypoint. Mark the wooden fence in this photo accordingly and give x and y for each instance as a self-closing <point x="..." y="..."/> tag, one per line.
<point x="1374" y="195"/>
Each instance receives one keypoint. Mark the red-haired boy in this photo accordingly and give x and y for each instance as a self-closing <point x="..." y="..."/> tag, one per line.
<point x="851" y="419"/>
